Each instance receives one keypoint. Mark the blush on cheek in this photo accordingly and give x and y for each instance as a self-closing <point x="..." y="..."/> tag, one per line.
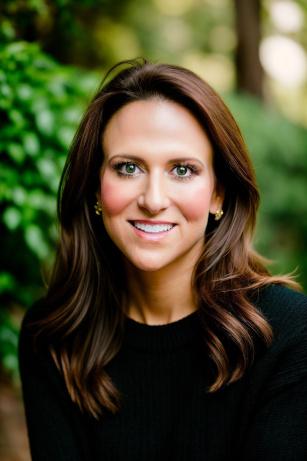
<point x="196" y="204"/>
<point x="113" y="198"/>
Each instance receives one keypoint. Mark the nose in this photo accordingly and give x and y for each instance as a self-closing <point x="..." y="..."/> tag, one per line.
<point x="154" y="196"/>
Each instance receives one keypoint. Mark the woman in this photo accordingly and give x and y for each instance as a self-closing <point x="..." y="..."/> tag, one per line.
<point x="162" y="334"/>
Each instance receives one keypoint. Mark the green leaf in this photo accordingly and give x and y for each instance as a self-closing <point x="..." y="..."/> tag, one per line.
<point x="45" y="121"/>
<point x="65" y="135"/>
<point x="16" y="152"/>
<point x="36" y="242"/>
<point x="7" y="282"/>
<point x="24" y="92"/>
<point x="31" y="144"/>
<point x="19" y="195"/>
<point x="12" y="218"/>
<point x="6" y="91"/>
<point x="10" y="361"/>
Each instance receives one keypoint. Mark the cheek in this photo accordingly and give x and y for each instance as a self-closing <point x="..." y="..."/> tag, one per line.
<point x="114" y="198"/>
<point x="195" y="204"/>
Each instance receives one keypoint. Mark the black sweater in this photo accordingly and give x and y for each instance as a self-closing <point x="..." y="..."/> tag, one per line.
<point x="162" y="373"/>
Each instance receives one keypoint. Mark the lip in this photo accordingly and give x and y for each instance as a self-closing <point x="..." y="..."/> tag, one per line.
<point x="152" y="222"/>
<point x="151" y="236"/>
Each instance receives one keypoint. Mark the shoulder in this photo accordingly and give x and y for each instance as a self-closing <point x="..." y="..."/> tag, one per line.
<point x="285" y="310"/>
<point x="285" y="360"/>
<point x="36" y="365"/>
<point x="34" y="313"/>
<point x="29" y="331"/>
<point x="32" y="318"/>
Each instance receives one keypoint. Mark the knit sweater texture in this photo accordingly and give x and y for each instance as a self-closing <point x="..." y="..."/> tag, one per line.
<point x="162" y="373"/>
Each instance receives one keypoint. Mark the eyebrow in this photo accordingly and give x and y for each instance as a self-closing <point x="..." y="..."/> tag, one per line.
<point x="172" y="160"/>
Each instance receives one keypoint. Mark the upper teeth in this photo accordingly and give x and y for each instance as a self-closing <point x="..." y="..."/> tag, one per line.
<point x="153" y="227"/>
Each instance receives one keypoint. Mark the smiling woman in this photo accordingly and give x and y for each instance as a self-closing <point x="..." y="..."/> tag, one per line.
<point x="162" y="334"/>
<point x="158" y="185"/>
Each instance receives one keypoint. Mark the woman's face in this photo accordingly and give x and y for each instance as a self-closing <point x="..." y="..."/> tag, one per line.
<point x="157" y="184"/>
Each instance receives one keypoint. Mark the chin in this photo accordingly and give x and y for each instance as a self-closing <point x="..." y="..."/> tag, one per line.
<point x="146" y="265"/>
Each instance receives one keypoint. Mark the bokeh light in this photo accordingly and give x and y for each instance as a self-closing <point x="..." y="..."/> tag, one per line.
<point x="284" y="59"/>
<point x="174" y="7"/>
<point x="287" y="15"/>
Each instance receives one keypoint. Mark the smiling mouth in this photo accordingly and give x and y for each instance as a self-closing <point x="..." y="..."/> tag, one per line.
<point x="152" y="228"/>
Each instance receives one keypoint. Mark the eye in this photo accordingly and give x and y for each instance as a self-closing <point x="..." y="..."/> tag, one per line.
<point x="183" y="171"/>
<point x="126" y="168"/>
<point x="130" y="168"/>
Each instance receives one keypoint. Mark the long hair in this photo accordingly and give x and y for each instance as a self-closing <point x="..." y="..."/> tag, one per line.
<point x="83" y="322"/>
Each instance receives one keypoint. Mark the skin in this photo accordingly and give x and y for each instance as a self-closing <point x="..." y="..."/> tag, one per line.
<point x="154" y="136"/>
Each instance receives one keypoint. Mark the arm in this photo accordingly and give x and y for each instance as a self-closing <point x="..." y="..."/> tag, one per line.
<point x="278" y="425"/>
<point x="279" y="429"/>
<point x="54" y="424"/>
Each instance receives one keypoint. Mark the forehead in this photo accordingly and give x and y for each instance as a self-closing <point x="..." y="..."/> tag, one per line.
<point x="155" y="124"/>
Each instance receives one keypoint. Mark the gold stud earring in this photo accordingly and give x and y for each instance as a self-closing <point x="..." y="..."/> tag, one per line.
<point x="98" y="208"/>
<point x="218" y="214"/>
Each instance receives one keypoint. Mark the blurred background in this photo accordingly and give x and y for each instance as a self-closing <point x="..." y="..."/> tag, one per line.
<point x="53" y="54"/>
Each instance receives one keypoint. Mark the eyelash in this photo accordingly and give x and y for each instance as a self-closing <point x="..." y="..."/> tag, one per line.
<point x="193" y="169"/>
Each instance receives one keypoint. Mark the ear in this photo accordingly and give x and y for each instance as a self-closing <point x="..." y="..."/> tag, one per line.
<point x="98" y="190"/>
<point x="98" y="194"/>
<point x="217" y="199"/>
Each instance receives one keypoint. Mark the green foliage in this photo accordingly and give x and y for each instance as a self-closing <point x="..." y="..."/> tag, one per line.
<point x="8" y="344"/>
<point x="40" y="105"/>
<point x="278" y="150"/>
<point x="69" y="23"/>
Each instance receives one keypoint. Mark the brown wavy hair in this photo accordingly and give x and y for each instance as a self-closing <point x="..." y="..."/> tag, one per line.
<point x="83" y="322"/>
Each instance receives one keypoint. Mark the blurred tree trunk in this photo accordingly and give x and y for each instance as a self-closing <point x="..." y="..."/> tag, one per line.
<point x="248" y="68"/>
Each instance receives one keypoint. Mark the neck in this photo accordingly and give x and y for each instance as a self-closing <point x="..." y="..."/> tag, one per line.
<point x="160" y="297"/>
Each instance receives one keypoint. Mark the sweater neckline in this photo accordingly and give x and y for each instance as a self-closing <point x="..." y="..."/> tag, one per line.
<point x="163" y="337"/>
